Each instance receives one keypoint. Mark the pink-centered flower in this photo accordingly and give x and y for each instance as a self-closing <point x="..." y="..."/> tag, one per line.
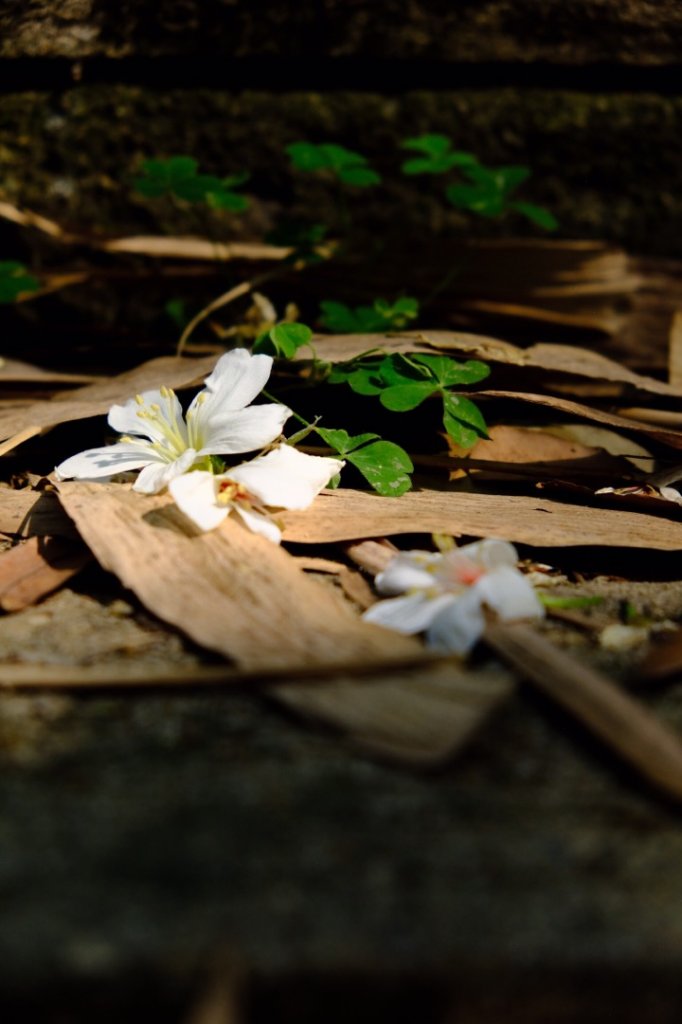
<point x="445" y="595"/>
<point x="163" y="443"/>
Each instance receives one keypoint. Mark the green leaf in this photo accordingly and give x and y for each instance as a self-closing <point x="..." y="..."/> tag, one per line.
<point x="403" y="397"/>
<point x="508" y="179"/>
<point x="235" y="180"/>
<point x="342" y="442"/>
<point x="167" y="177"/>
<point x="463" y="420"/>
<point x="400" y="313"/>
<point x="194" y="190"/>
<point x="339" y="157"/>
<point x="537" y="214"/>
<point x="554" y="601"/>
<point x="365" y="381"/>
<point x="449" y="372"/>
<point x="178" y="176"/>
<point x="339" y="440"/>
<point x="461" y="435"/>
<point x="288" y="337"/>
<point x="283" y="340"/>
<point x="177" y="311"/>
<point x="476" y="198"/>
<point x="438" y="158"/>
<point x="226" y="200"/>
<point x="401" y="369"/>
<point x="489" y="189"/>
<point x="15" y="280"/>
<point x="349" y="167"/>
<point x="337" y="316"/>
<point x="380" y="316"/>
<point x="432" y="143"/>
<point x="306" y="156"/>
<point x="360" y="177"/>
<point x="181" y="167"/>
<point x="437" y="164"/>
<point x="385" y="466"/>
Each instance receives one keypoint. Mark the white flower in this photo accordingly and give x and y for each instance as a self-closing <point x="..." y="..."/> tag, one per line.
<point x="164" y="444"/>
<point x="284" y="478"/>
<point x="445" y="594"/>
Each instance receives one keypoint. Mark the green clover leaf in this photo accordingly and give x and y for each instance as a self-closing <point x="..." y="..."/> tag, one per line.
<point x="346" y="165"/>
<point x="438" y="155"/>
<point x="284" y="340"/>
<point x="384" y="465"/>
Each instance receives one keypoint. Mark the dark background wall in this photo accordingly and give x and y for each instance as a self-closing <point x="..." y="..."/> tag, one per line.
<point x="587" y="92"/>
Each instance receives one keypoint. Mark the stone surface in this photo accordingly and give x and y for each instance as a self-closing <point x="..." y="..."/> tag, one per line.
<point x="141" y="832"/>
<point x="640" y="32"/>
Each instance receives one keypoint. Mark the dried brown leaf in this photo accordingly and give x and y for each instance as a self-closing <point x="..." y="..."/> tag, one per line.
<point x="37" y="567"/>
<point x="347" y="514"/>
<point x="14" y="371"/>
<point x="18" y="425"/>
<point x="563" y="359"/>
<point x="675" y="350"/>
<point x="148" y="245"/>
<point x="29" y="513"/>
<point x="230" y="591"/>
<point x="667" y="436"/>
<point x="523" y="444"/>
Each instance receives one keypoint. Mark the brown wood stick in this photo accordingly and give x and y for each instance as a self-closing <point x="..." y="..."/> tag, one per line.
<point x="625" y="724"/>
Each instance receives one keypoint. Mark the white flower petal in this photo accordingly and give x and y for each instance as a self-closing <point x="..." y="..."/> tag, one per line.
<point x="159" y="423"/>
<point x="258" y="523"/>
<point x="238" y="377"/>
<point x="154" y="478"/>
<point x="285" y="477"/>
<point x="509" y="594"/>
<point x="195" y="495"/>
<point x="100" y="462"/>
<point x="407" y="571"/>
<point x="459" y="625"/>
<point x="490" y="553"/>
<point x="124" y="418"/>
<point x="243" y="431"/>
<point x="410" y="614"/>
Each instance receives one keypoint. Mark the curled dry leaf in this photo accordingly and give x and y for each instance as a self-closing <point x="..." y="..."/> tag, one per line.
<point x="37" y="567"/>
<point x="662" y="434"/>
<point x="31" y="513"/>
<point x="18" y="425"/>
<point x="14" y="371"/>
<point x="350" y="515"/>
<point x="556" y="359"/>
<point x="249" y="600"/>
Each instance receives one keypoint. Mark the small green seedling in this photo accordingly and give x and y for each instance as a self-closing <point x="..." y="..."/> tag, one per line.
<point x="15" y="280"/>
<point x="436" y="155"/>
<point x="345" y="165"/>
<point x="179" y="177"/>
<point x="380" y="316"/>
<point x="489" y="191"/>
